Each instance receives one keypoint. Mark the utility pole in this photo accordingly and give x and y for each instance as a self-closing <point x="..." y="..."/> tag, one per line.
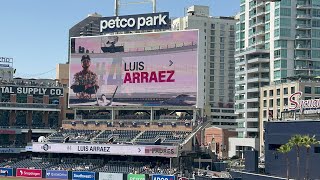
<point x="118" y="4"/>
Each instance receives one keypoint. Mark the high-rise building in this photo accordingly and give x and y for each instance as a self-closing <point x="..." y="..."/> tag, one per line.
<point x="274" y="40"/>
<point x="216" y="61"/>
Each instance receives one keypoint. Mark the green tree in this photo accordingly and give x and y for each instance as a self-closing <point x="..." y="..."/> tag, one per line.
<point x="285" y="149"/>
<point x="308" y="142"/>
<point x="296" y="141"/>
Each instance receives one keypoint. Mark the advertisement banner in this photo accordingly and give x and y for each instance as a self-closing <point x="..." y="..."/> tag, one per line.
<point x="150" y="69"/>
<point x="7" y="131"/>
<point x="10" y="150"/>
<point x="83" y="175"/>
<point x="103" y="149"/>
<point x="55" y="174"/>
<point x="6" y="172"/>
<point x="33" y="173"/>
<point x="162" y="177"/>
<point x="31" y="90"/>
<point x="135" y="22"/>
<point x="110" y="176"/>
<point x="136" y="177"/>
<point x="182" y="178"/>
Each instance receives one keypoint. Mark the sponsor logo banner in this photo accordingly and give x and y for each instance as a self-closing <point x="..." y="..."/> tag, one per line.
<point x="162" y="177"/>
<point x="110" y="176"/>
<point x="83" y="175"/>
<point x="110" y="149"/>
<point x="31" y="90"/>
<point x="52" y="174"/>
<point x="6" y="172"/>
<point x="182" y="178"/>
<point x="6" y="131"/>
<point x="9" y="150"/>
<point x="135" y="22"/>
<point x="136" y="177"/>
<point x="150" y="69"/>
<point x="34" y="173"/>
<point x="169" y="151"/>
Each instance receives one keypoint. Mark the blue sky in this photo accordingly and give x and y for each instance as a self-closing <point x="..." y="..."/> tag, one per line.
<point x="35" y="32"/>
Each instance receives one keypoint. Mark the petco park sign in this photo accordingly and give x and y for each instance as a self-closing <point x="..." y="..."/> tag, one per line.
<point x="310" y="106"/>
<point x="135" y="22"/>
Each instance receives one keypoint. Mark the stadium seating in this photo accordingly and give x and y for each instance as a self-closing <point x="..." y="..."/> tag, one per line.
<point x="35" y="163"/>
<point x="72" y="136"/>
<point x="121" y="167"/>
<point x="117" y="136"/>
<point x="77" y="164"/>
<point x="168" y="137"/>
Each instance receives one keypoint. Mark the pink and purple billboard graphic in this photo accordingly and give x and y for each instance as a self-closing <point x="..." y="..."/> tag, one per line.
<point x="150" y="69"/>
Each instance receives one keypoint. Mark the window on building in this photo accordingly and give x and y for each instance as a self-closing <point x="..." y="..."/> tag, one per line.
<point x="316" y="149"/>
<point x="285" y="101"/>
<point x="307" y="90"/>
<point x="285" y="90"/>
<point x="270" y="102"/>
<point x="278" y="91"/>
<point x="317" y="90"/>
<point x="271" y="93"/>
<point x="265" y="93"/>
<point x="292" y="90"/>
<point x="264" y="103"/>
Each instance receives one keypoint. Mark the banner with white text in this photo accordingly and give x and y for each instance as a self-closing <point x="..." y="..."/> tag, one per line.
<point x="150" y="69"/>
<point x="107" y="149"/>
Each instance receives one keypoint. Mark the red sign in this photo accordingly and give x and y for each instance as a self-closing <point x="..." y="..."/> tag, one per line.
<point x="34" y="173"/>
<point x="182" y="178"/>
<point x="3" y="131"/>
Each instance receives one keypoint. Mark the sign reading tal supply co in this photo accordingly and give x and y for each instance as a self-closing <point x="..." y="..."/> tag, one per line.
<point x="135" y="22"/>
<point x="310" y="106"/>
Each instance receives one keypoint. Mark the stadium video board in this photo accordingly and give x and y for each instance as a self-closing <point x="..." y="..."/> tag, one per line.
<point x="147" y="69"/>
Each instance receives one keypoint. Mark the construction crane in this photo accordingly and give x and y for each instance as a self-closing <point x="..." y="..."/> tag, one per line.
<point x="118" y="4"/>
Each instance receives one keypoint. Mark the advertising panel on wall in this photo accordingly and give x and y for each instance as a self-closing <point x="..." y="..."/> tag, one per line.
<point x="308" y="106"/>
<point x="136" y="177"/>
<point x="150" y="69"/>
<point x="31" y="173"/>
<point x="107" y="149"/>
<point x="6" y="172"/>
<point x="162" y="177"/>
<point x="10" y="150"/>
<point x="83" y="175"/>
<point x="10" y="131"/>
<point x="110" y="176"/>
<point x="182" y="178"/>
<point x="56" y="174"/>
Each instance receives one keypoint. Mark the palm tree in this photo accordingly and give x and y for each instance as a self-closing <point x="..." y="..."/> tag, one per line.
<point x="308" y="142"/>
<point x="285" y="149"/>
<point x="297" y="141"/>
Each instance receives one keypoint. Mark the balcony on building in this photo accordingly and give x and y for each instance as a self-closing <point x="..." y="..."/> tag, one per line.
<point x="303" y="5"/>
<point x="303" y="26"/>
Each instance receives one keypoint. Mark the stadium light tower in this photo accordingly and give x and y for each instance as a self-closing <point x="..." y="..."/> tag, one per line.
<point x="118" y="4"/>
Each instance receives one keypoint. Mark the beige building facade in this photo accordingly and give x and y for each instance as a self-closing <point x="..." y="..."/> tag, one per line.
<point x="275" y="104"/>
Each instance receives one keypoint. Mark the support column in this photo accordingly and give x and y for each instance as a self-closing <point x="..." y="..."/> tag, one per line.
<point x="112" y="114"/>
<point x="152" y="114"/>
<point x="12" y="118"/>
<point x="29" y="118"/>
<point x="75" y="113"/>
<point x="62" y="113"/>
<point x="45" y="118"/>
<point x="194" y="119"/>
